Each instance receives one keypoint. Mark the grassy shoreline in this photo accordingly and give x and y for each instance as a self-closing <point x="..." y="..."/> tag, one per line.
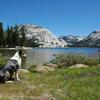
<point x="61" y="84"/>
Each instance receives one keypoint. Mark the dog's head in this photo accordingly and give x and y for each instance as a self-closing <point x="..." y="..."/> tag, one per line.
<point x="22" y="54"/>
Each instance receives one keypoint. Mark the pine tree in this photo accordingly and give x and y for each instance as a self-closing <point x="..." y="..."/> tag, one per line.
<point x="32" y="42"/>
<point x="15" y="36"/>
<point x="1" y="35"/>
<point x="23" y="36"/>
<point x="8" y="37"/>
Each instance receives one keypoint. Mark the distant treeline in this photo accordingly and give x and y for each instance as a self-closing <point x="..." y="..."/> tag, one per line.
<point x="13" y="36"/>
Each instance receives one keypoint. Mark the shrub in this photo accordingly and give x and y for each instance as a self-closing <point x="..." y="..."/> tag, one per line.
<point x="31" y="68"/>
<point x="2" y="60"/>
<point x="70" y="59"/>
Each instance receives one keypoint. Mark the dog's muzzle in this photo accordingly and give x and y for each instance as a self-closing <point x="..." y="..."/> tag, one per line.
<point x="24" y="55"/>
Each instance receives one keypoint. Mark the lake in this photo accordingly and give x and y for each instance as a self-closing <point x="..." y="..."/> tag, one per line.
<point x="43" y="55"/>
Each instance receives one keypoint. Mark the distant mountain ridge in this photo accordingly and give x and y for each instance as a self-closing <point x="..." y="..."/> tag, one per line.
<point x="71" y="40"/>
<point x="92" y="40"/>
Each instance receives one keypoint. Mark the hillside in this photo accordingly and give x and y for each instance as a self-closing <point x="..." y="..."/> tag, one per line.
<point x="71" y="40"/>
<point x="43" y="36"/>
<point x="92" y="40"/>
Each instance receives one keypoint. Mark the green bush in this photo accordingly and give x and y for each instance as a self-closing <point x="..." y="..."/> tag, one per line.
<point x="31" y="68"/>
<point x="70" y="59"/>
<point x="2" y="60"/>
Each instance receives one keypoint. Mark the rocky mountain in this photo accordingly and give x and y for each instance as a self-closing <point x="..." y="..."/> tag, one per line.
<point x="92" y="40"/>
<point x="45" y="38"/>
<point x="72" y="40"/>
<point x="42" y="35"/>
<point x="63" y="42"/>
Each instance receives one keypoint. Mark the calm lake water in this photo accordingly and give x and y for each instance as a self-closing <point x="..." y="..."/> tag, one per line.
<point x="43" y="55"/>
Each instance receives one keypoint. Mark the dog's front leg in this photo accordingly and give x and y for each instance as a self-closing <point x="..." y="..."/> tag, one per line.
<point x="16" y="76"/>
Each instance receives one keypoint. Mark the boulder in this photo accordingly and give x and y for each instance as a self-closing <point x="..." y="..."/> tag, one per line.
<point x="79" y="66"/>
<point x="52" y="65"/>
<point x="23" y="71"/>
<point x="42" y="69"/>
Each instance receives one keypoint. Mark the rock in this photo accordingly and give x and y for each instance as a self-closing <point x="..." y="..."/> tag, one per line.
<point x="23" y="71"/>
<point x="52" y="65"/>
<point x="79" y="66"/>
<point x="42" y="69"/>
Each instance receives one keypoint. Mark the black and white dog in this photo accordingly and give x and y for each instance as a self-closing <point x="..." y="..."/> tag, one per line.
<point x="12" y="67"/>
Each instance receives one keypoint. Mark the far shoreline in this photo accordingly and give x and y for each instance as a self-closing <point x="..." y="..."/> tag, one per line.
<point x="27" y="48"/>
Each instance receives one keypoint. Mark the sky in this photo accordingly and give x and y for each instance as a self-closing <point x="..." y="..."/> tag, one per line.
<point x="62" y="17"/>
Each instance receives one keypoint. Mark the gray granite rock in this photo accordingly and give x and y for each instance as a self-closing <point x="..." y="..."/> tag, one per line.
<point x="43" y="36"/>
